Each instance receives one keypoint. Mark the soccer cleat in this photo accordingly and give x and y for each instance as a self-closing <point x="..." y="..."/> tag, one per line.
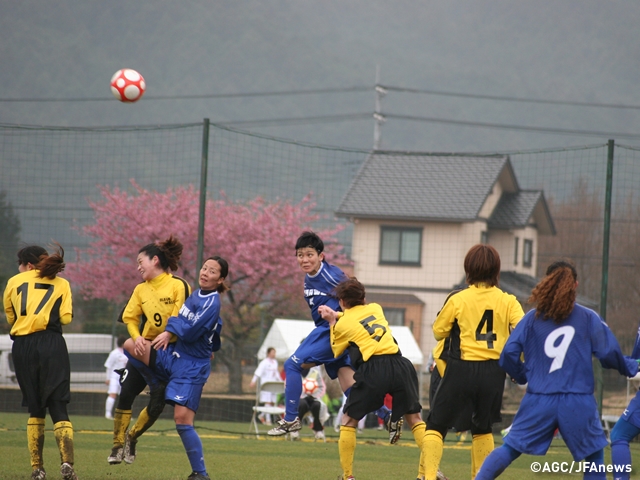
<point x="116" y="456"/>
<point x="129" y="454"/>
<point x="197" y="476"/>
<point x="67" y="472"/>
<point x="394" y="429"/>
<point x="283" y="427"/>
<point x="320" y="436"/>
<point x="440" y="476"/>
<point x="39" y="474"/>
<point x="350" y="477"/>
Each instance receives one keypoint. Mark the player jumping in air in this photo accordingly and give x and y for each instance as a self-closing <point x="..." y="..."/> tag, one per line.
<point x="320" y="280"/>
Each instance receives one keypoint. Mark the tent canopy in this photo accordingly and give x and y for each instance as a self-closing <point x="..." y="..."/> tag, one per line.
<point x="285" y="336"/>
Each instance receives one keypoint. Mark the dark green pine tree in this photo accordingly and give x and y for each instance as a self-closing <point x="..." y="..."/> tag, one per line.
<point x="9" y="235"/>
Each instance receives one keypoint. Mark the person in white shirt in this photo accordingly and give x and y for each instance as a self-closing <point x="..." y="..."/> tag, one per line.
<point x="115" y="361"/>
<point x="311" y="403"/>
<point x="267" y="371"/>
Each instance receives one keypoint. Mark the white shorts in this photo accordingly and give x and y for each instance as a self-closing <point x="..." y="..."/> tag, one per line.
<point x="268" y="397"/>
<point x="114" y="383"/>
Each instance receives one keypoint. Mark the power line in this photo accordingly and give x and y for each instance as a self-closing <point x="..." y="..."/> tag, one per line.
<point x="299" y="120"/>
<point x="504" y="98"/>
<point x="198" y="96"/>
<point x="556" y="131"/>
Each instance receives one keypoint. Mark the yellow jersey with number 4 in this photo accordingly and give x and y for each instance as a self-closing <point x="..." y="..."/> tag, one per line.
<point x="477" y="320"/>
<point x="364" y="328"/>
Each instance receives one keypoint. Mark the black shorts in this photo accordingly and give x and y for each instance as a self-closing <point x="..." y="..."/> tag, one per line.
<point x="132" y="382"/>
<point x="469" y="397"/>
<point x="382" y="374"/>
<point x="41" y="361"/>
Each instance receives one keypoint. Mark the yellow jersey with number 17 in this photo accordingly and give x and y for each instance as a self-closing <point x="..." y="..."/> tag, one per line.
<point x="33" y="304"/>
<point x="477" y="320"/>
<point x="363" y="327"/>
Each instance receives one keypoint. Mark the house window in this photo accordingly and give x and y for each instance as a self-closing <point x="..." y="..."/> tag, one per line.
<point x="394" y="316"/>
<point x="515" y="256"/>
<point x="527" y="253"/>
<point x="484" y="238"/>
<point x="400" y="246"/>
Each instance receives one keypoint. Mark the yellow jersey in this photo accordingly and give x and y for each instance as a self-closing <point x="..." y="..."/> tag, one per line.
<point x="33" y="304"/>
<point x="365" y="331"/>
<point x="477" y="321"/>
<point x="152" y="303"/>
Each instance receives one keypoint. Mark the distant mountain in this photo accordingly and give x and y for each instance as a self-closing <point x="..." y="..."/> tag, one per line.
<point x="584" y="50"/>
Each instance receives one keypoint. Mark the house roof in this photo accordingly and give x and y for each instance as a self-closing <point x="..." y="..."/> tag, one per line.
<point x="404" y="298"/>
<point x="521" y="285"/>
<point x="516" y="210"/>
<point x="436" y="187"/>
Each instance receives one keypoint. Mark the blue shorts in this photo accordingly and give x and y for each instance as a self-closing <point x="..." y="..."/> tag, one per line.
<point x="185" y="377"/>
<point x="575" y="415"/>
<point x="632" y="412"/>
<point x="316" y="348"/>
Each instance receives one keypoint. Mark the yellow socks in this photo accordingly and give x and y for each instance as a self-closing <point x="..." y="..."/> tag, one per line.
<point x="419" y="431"/>
<point x="481" y="446"/>
<point x="347" y="449"/>
<point x="63" y="432"/>
<point x="432" y="454"/>
<point x="142" y="424"/>
<point x="35" y="441"/>
<point x="121" y="420"/>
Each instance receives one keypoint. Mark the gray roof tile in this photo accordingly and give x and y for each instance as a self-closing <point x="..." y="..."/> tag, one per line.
<point x="514" y="209"/>
<point x="422" y="187"/>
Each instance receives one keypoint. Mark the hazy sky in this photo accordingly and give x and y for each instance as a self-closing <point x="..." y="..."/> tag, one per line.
<point x="566" y="50"/>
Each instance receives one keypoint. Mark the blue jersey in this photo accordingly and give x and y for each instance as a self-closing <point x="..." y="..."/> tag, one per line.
<point x="318" y="290"/>
<point x="557" y="357"/>
<point x="197" y="325"/>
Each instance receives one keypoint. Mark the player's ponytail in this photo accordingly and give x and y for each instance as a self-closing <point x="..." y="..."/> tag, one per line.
<point x="48" y="266"/>
<point x="168" y="252"/>
<point x="555" y="294"/>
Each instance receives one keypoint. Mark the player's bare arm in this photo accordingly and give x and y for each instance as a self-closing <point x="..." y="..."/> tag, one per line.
<point x="328" y="314"/>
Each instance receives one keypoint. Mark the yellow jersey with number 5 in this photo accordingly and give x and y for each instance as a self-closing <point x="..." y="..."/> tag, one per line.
<point x="477" y="320"/>
<point x="152" y="303"/>
<point x="365" y="328"/>
<point x="33" y="304"/>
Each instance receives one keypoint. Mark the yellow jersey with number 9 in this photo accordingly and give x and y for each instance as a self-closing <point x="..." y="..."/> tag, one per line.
<point x="477" y="320"/>
<point x="365" y="328"/>
<point x="33" y="304"/>
<point x="152" y="303"/>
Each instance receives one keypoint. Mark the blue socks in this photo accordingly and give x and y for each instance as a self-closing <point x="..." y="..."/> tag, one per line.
<point x="497" y="461"/>
<point x="193" y="447"/>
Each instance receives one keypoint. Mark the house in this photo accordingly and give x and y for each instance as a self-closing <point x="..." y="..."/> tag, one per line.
<point x="415" y="217"/>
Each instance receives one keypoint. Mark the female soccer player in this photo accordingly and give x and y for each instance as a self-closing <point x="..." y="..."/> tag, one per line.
<point x="152" y="302"/>
<point x="558" y="339"/>
<point x="477" y="322"/>
<point x="37" y="303"/>
<point x="380" y="368"/>
<point x="185" y="364"/>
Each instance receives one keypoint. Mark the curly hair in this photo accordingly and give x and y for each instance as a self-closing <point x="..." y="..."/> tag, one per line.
<point x="555" y="294"/>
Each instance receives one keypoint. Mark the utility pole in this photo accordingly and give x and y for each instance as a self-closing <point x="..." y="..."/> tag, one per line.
<point x="378" y="118"/>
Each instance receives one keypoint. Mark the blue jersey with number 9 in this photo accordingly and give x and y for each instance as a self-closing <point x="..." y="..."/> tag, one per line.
<point x="557" y="356"/>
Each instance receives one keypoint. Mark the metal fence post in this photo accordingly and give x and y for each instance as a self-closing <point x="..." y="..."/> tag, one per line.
<point x="203" y="196"/>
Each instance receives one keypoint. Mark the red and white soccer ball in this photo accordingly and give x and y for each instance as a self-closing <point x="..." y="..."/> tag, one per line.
<point x="127" y="85"/>
<point x="309" y="386"/>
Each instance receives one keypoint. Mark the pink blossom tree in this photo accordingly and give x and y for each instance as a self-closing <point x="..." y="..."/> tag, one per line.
<point x="257" y="238"/>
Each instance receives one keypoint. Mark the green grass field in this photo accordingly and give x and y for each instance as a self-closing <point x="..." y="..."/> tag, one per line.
<point x="232" y="453"/>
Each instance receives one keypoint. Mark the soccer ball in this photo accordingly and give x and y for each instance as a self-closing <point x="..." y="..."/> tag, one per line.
<point x="309" y="386"/>
<point x="127" y="85"/>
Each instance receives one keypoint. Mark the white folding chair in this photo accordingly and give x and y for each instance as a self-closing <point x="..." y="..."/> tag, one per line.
<point x="273" y="387"/>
